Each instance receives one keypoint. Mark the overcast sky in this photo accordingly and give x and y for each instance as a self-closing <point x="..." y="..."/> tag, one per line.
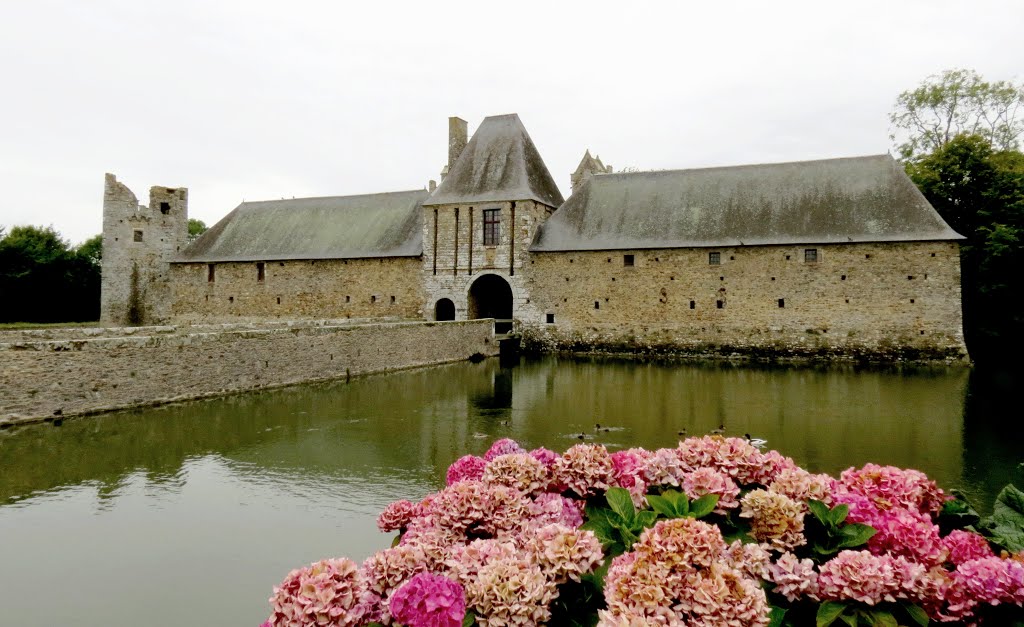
<point x="260" y="100"/>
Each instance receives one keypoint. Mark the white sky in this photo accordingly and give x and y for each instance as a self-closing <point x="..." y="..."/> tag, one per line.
<point x="260" y="100"/>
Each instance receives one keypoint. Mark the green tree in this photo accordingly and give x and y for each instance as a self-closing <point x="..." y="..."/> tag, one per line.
<point x="979" y="191"/>
<point x="91" y="249"/>
<point x="195" y="228"/>
<point x="42" y="279"/>
<point x="956" y="102"/>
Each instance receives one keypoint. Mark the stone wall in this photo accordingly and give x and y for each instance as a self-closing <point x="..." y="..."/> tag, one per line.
<point x="886" y="300"/>
<point x="139" y="243"/>
<point x="328" y="288"/>
<point x="40" y="378"/>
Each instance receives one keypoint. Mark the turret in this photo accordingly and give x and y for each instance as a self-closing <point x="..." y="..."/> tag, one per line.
<point x="589" y="166"/>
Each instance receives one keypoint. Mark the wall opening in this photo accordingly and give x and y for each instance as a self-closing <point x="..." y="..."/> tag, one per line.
<point x="392" y="299"/>
<point x="549" y="318"/>
<point x="693" y="304"/>
<point x="490" y="296"/>
<point x="210" y="273"/>
<point x="810" y="255"/>
<point x="261" y="271"/>
<point x="782" y="303"/>
<point x="137" y="236"/>
<point x="629" y="261"/>
<point x="165" y="207"/>
<point x="597" y="304"/>
<point x="444" y="309"/>
<point x="492" y="227"/>
<point x="714" y="259"/>
<point x="719" y="304"/>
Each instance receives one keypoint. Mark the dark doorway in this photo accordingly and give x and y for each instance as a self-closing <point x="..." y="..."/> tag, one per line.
<point x="490" y="296"/>
<point x="444" y="310"/>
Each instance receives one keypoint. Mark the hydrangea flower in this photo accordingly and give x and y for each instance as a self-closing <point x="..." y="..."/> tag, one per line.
<point x="517" y="470"/>
<point x="800" y="485"/>
<point x="888" y="487"/>
<point x="466" y="468"/>
<point x="774" y="518"/>
<point x="396" y="516"/>
<point x="988" y="581"/>
<point x="794" y="578"/>
<point x="504" y="446"/>
<point x="964" y="546"/>
<point x="548" y="508"/>
<point x="510" y="591"/>
<point x="429" y="600"/>
<point x="703" y="481"/>
<point x="564" y="553"/>
<point x="544" y="456"/>
<point x="586" y="469"/>
<point x="328" y="591"/>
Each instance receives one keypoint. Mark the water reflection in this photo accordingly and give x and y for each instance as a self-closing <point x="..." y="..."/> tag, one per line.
<point x="218" y="499"/>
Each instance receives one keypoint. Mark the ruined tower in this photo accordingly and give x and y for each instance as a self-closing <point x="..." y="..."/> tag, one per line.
<point x="139" y="243"/>
<point x="588" y="167"/>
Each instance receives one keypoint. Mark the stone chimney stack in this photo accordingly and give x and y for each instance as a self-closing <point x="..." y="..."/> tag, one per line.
<point x="457" y="138"/>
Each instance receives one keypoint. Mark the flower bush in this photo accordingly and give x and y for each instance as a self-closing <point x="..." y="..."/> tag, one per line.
<point x="712" y="532"/>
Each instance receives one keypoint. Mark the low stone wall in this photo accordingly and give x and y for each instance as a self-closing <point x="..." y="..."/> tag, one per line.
<point x="94" y="370"/>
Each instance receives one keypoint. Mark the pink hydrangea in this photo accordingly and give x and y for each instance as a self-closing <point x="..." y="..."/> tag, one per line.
<point x="466" y="468"/>
<point x="964" y="546"/>
<point x="898" y="531"/>
<point x="985" y="581"/>
<point x="545" y="456"/>
<point x="794" y="578"/>
<point x="328" y="591"/>
<point x="682" y="541"/>
<point x="858" y="576"/>
<point x="800" y="485"/>
<point x="510" y="591"/>
<point x="517" y="470"/>
<point x="386" y="570"/>
<point x="752" y="559"/>
<point x="429" y="600"/>
<point x="563" y="552"/>
<point x="736" y="457"/>
<point x="396" y="516"/>
<point x="504" y="446"/>
<point x="703" y="481"/>
<point x="586" y="469"/>
<point x="774" y="518"/>
<point x="475" y="509"/>
<point x="664" y="467"/>
<point x="465" y="561"/>
<point x="550" y="508"/>
<point x="889" y="487"/>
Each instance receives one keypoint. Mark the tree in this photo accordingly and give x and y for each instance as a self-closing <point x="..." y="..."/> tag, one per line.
<point x="979" y="191"/>
<point x="91" y="249"/>
<point x="195" y="228"/>
<point x="956" y="102"/>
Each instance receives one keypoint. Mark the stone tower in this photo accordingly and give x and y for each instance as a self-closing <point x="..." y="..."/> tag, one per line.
<point x="588" y="167"/>
<point x="139" y="242"/>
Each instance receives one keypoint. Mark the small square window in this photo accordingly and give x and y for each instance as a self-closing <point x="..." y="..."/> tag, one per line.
<point x="261" y="271"/>
<point x="787" y="257"/>
<point x="810" y="255"/>
<point x="628" y="260"/>
<point x="714" y="259"/>
<point x="550" y="318"/>
<point x="782" y="303"/>
<point x="165" y="207"/>
<point x="138" y="236"/>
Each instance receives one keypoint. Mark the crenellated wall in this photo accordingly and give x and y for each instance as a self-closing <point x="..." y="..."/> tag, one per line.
<point x="883" y="299"/>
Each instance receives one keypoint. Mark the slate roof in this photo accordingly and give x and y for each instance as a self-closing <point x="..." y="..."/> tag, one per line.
<point x="859" y="199"/>
<point x="499" y="163"/>
<point x="333" y="227"/>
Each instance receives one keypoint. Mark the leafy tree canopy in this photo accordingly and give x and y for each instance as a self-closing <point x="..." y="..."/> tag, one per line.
<point x="953" y="103"/>
<point x="195" y="228"/>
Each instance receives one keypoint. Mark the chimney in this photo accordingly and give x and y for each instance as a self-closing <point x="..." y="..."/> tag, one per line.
<point x="457" y="138"/>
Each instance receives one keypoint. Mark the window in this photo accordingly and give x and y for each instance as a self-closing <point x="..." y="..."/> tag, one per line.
<point x="629" y="261"/>
<point x="597" y="304"/>
<point x="693" y="304"/>
<point x="782" y="303"/>
<point x="550" y="318"/>
<point x="165" y="207"/>
<point x="261" y="272"/>
<point x="810" y="255"/>
<point x="719" y="304"/>
<point x="138" y="236"/>
<point x="492" y="227"/>
<point x="714" y="259"/>
<point x="392" y="300"/>
<point x="209" y="273"/>
<point x="373" y="298"/>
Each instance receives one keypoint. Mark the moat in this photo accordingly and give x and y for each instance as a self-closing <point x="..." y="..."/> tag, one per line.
<point x="190" y="513"/>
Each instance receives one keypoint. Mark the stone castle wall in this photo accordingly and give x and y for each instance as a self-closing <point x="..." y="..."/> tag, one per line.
<point x="139" y="243"/>
<point x="329" y="288"/>
<point x="136" y="367"/>
<point x="886" y="299"/>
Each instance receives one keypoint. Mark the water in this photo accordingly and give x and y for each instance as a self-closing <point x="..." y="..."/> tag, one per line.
<point x="189" y="514"/>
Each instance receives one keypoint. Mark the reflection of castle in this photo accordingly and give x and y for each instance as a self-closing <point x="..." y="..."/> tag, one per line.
<point x="839" y="255"/>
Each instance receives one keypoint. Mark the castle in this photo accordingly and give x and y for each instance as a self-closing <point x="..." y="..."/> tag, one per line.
<point x="838" y="256"/>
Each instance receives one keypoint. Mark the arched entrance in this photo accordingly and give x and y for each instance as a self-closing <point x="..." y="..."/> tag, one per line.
<point x="444" y="310"/>
<point x="490" y="296"/>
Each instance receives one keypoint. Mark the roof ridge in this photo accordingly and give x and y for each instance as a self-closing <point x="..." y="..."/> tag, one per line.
<point x="743" y="166"/>
<point x="404" y="191"/>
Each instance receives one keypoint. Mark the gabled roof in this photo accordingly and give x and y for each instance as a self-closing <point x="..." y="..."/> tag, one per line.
<point x="859" y="199"/>
<point x="589" y="163"/>
<point x="333" y="227"/>
<point x="499" y="163"/>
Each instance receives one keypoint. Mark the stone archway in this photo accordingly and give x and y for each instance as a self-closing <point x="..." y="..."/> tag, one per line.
<point x="444" y="309"/>
<point x="490" y="296"/>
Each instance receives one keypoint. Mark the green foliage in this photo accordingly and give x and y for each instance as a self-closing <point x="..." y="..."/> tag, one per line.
<point x="980" y="193"/>
<point x="1005" y="527"/>
<point x="828" y="533"/>
<point x="956" y="514"/>
<point x="674" y="504"/>
<point x="956" y="102"/>
<point x="854" y="615"/>
<point x="43" y="279"/>
<point x="196" y="228"/>
<point x="619" y="525"/>
<point x="577" y="603"/>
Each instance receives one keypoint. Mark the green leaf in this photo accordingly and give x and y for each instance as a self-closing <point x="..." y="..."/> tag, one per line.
<point x="777" y="616"/>
<point x="645" y="519"/>
<point x="855" y="534"/>
<point x="469" y="620"/>
<point x="661" y="505"/>
<point x="602" y="529"/>
<point x="917" y="614"/>
<point x="398" y="538"/>
<point x="1006" y="525"/>
<point x="621" y="503"/>
<point x="820" y="511"/>
<point x="703" y="506"/>
<point x="882" y="618"/>
<point x="828" y="612"/>
<point x="679" y="502"/>
<point x="839" y="513"/>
